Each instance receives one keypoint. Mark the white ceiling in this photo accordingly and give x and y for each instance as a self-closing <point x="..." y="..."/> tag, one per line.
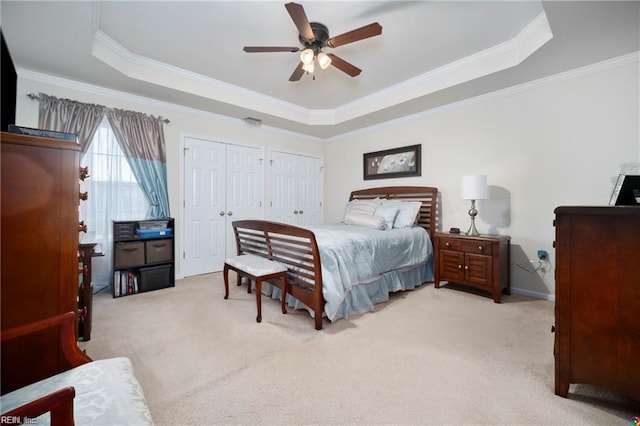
<point x="430" y="53"/>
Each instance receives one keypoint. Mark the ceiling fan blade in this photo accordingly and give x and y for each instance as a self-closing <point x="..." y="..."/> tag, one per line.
<point x="343" y="65"/>
<point x="296" y="11"/>
<point x="361" y="33"/>
<point x="297" y="73"/>
<point x="259" y="49"/>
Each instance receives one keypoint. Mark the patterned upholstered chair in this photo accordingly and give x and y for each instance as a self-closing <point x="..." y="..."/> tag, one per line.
<point x="103" y="392"/>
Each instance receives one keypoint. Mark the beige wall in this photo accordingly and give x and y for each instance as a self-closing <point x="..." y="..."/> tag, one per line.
<point x="555" y="142"/>
<point x="184" y="122"/>
<point x="550" y="143"/>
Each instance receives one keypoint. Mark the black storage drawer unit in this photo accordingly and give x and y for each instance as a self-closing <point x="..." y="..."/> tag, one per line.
<point x="128" y="254"/>
<point x="143" y="256"/>
<point x="155" y="278"/>
<point x="159" y="250"/>
<point x="123" y="231"/>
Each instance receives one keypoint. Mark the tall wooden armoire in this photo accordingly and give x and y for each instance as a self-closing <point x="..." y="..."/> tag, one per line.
<point x="597" y="322"/>
<point x="40" y="196"/>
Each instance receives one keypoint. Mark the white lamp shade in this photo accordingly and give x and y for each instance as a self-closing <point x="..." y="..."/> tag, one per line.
<point x="306" y="56"/>
<point x="474" y="187"/>
<point x="324" y="60"/>
<point x="309" y="67"/>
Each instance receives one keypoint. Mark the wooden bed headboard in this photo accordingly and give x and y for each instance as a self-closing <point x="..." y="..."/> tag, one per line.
<point x="427" y="195"/>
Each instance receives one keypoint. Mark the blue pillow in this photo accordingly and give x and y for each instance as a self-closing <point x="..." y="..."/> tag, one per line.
<point x="388" y="211"/>
<point x="407" y="214"/>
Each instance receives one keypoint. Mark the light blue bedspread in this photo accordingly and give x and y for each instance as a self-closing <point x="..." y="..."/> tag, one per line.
<point x="361" y="266"/>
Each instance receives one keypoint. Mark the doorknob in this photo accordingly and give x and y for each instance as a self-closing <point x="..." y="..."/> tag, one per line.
<point x="301" y="212"/>
<point x="221" y="213"/>
<point x="230" y="213"/>
<point x="295" y="212"/>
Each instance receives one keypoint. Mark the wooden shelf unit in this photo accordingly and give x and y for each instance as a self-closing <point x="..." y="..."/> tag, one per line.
<point x="142" y="263"/>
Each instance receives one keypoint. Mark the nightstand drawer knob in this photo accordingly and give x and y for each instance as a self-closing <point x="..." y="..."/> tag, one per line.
<point x="466" y="267"/>
<point x="459" y="266"/>
<point x="480" y="248"/>
<point x="447" y="244"/>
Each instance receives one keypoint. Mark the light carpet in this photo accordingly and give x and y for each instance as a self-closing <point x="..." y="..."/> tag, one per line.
<point x="429" y="356"/>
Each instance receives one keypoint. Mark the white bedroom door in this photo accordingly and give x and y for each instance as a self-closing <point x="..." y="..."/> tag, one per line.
<point x="222" y="183"/>
<point x="309" y="191"/>
<point x="295" y="188"/>
<point x="244" y="190"/>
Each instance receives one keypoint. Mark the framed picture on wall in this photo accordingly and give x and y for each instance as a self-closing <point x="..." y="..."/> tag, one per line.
<point x="392" y="163"/>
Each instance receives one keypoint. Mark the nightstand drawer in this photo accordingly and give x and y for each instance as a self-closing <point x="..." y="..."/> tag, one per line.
<point x="467" y="246"/>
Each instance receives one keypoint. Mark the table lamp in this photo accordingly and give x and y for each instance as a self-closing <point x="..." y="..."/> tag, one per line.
<point x="474" y="187"/>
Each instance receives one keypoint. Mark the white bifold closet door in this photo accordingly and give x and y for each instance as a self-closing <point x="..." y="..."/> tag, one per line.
<point x="295" y="189"/>
<point x="222" y="183"/>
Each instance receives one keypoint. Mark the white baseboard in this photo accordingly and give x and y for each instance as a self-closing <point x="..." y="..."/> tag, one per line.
<point x="534" y="294"/>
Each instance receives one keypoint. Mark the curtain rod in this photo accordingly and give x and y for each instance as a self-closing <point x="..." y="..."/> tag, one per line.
<point x="35" y="97"/>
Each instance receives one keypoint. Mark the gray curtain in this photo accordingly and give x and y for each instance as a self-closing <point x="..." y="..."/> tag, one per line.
<point x="65" y="115"/>
<point x="141" y="138"/>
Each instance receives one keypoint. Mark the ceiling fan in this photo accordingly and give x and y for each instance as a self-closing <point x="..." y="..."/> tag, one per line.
<point x="314" y="36"/>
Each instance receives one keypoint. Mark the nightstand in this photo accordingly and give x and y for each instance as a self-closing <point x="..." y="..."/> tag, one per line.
<point x="481" y="262"/>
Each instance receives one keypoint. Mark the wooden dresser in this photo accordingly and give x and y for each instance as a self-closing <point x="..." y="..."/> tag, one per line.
<point x="40" y="196"/>
<point x="597" y="317"/>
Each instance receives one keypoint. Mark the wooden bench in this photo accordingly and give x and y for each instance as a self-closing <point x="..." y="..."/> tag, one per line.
<point x="291" y="246"/>
<point x="258" y="269"/>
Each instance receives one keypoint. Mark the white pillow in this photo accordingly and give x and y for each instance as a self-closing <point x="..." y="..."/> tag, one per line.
<point x="362" y="206"/>
<point x="366" y="220"/>
<point x="388" y="211"/>
<point x="407" y="214"/>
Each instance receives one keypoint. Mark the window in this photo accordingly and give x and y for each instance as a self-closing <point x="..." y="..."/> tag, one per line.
<point x="114" y="194"/>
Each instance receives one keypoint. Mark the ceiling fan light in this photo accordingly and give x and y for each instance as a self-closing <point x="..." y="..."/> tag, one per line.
<point x="306" y="56"/>
<point x="324" y="60"/>
<point x="309" y="67"/>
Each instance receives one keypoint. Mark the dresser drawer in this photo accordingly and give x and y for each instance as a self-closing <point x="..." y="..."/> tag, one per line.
<point x="467" y="246"/>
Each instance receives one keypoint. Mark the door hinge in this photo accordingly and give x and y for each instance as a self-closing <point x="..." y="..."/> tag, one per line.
<point x="261" y="160"/>
<point x="271" y="162"/>
<point x="184" y="255"/>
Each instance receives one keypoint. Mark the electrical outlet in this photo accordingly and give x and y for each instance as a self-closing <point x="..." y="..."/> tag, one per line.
<point x="543" y="255"/>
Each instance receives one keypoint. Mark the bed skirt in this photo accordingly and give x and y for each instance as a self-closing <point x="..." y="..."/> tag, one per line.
<point x="361" y="298"/>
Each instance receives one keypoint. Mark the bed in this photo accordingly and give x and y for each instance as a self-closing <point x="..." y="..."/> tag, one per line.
<point x="344" y="269"/>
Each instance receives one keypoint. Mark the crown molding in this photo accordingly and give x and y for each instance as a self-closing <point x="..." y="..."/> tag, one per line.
<point x="494" y="59"/>
<point x="141" y="100"/>
<point x="149" y="70"/>
<point x="608" y="64"/>
<point x="628" y="59"/>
